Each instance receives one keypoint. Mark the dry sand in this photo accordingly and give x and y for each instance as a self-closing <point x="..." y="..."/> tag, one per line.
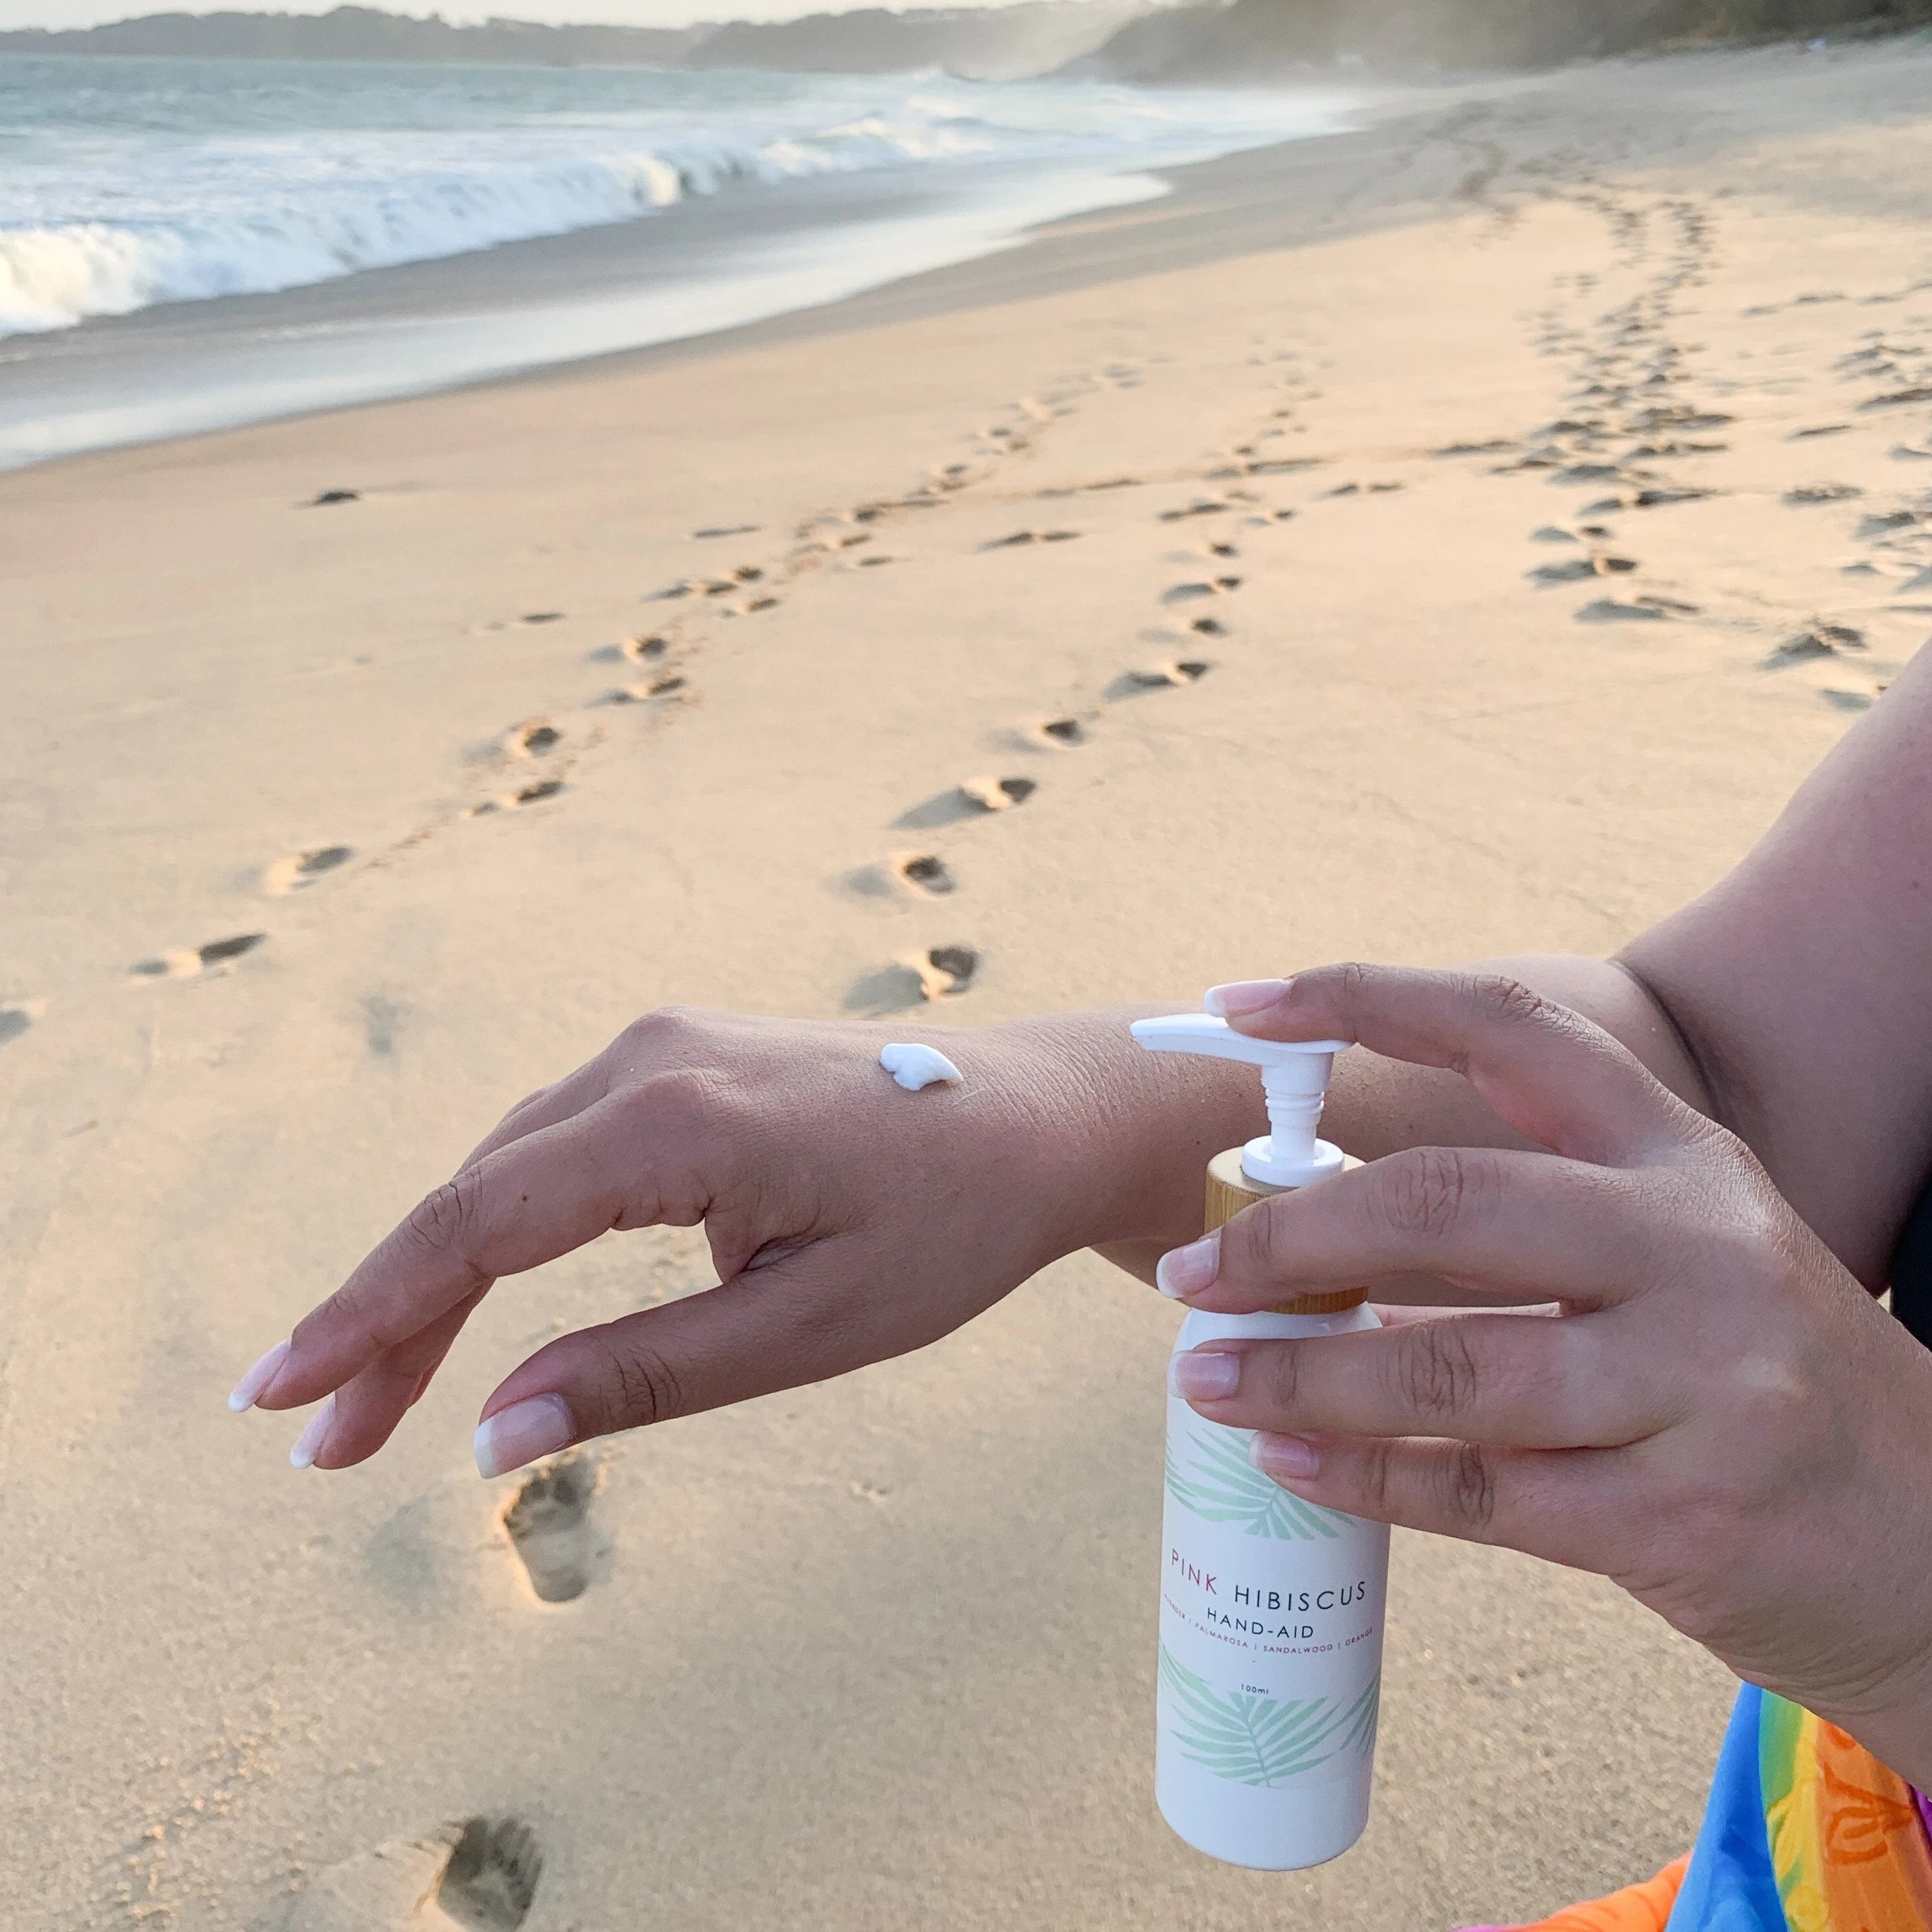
<point x="877" y="1654"/>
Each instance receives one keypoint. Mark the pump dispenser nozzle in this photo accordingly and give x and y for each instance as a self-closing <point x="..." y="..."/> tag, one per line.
<point x="1294" y="1082"/>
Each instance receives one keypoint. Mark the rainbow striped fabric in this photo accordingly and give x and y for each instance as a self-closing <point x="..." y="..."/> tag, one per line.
<point x="1805" y="1831"/>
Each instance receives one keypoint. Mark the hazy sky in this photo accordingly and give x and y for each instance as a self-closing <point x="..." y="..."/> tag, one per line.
<point x="630" y="13"/>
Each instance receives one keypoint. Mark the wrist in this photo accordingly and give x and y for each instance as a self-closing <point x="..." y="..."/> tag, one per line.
<point x="1122" y="1136"/>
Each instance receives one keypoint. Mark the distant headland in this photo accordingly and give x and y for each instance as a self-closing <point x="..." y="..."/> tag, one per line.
<point x="1031" y="38"/>
<point x="1221" y="43"/>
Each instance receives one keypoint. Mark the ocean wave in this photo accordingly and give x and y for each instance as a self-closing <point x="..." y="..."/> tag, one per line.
<point x="211" y="215"/>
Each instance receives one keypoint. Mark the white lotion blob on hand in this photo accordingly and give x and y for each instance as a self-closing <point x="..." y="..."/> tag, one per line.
<point x="914" y="1066"/>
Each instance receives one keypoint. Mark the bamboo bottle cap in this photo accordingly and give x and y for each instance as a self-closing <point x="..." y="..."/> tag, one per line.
<point x="1229" y="1190"/>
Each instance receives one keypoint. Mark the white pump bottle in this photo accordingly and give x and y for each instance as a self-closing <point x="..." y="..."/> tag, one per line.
<point x="1271" y="1608"/>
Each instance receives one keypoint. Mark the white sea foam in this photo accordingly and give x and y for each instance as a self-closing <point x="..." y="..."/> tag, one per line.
<point x="124" y="184"/>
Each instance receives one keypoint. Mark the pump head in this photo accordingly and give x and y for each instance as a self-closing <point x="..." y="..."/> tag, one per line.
<point x="1294" y="1082"/>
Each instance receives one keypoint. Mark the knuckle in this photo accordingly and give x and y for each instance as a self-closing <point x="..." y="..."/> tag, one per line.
<point x="1424" y="1192"/>
<point x="1437" y="1371"/>
<point x="1507" y="1001"/>
<point x="446" y="1221"/>
<point x="1252" y="1244"/>
<point x="1378" y="1483"/>
<point x="1283" y="1377"/>
<point x="663" y="1028"/>
<point x="644" y="1387"/>
<point x="1468" y="1488"/>
<point x="1352" y="979"/>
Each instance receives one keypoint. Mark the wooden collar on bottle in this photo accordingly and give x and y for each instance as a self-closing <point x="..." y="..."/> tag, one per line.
<point x="1229" y="1190"/>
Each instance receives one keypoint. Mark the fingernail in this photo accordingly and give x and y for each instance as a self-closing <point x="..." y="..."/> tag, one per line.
<point x="1284" y="1457"/>
<point x="308" y="1443"/>
<point x="248" y="1391"/>
<point x="1200" y="1376"/>
<point x="1181" y="1272"/>
<point x="540" y="1425"/>
<point x="1242" y="996"/>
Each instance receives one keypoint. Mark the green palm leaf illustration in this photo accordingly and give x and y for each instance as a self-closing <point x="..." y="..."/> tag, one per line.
<point x="1249" y="1739"/>
<point x="1220" y="1485"/>
<point x="1356" y="1728"/>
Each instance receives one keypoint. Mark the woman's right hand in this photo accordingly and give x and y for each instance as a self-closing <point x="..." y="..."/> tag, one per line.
<point x="849" y="1220"/>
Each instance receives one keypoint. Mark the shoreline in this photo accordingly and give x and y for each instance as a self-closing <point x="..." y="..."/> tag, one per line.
<point x="703" y="264"/>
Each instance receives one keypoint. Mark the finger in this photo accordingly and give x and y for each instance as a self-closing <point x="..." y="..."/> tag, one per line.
<point x="561" y="1100"/>
<point x="1527" y="1226"/>
<point x="1549" y="1504"/>
<point x="1546" y="1070"/>
<point x="635" y="1158"/>
<point x="798" y="1321"/>
<point x="369" y="1405"/>
<point x="1507" y="1379"/>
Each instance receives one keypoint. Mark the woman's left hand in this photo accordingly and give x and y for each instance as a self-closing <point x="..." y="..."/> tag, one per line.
<point x="1714" y="1414"/>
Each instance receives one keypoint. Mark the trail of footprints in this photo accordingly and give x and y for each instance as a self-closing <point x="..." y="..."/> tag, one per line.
<point x="659" y="659"/>
<point x="1629" y="389"/>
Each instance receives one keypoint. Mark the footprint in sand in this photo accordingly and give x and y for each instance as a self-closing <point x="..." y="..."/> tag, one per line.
<point x="1209" y="627"/>
<point x="533" y="794"/>
<point x="1807" y="493"/>
<point x="1020" y="539"/>
<point x="668" y="686"/>
<point x="942" y="972"/>
<point x="532" y="739"/>
<point x="491" y="1881"/>
<point x="14" y="1020"/>
<point x="1161" y="677"/>
<point x="186" y="962"/>
<point x="1638" y="610"/>
<point x="1920" y="392"/>
<point x="1192" y="593"/>
<point x="945" y="970"/>
<point x="547" y="1523"/>
<point x="323" y="499"/>
<point x="303" y="868"/>
<point x="1573" y="569"/>
<point x="1659" y="496"/>
<point x="1883" y="523"/>
<point x="1818" y="640"/>
<point x="1064" y="731"/>
<point x="542" y="617"/>
<point x="1822" y="429"/>
<point x="479" y="1876"/>
<point x="993" y="794"/>
<point x="728" y="530"/>
<point x="925" y="873"/>
<point x="1203" y="506"/>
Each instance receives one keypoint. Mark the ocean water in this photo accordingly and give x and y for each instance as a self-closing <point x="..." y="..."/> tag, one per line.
<point x="128" y="183"/>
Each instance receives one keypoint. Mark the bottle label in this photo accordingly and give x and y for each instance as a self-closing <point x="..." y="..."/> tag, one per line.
<point x="1270" y="1619"/>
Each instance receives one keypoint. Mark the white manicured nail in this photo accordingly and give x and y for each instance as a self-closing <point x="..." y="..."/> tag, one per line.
<point x="308" y="1443"/>
<point x="248" y="1390"/>
<point x="540" y="1425"/>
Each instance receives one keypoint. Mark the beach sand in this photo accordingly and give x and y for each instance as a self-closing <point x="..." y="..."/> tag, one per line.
<point x="879" y="1654"/>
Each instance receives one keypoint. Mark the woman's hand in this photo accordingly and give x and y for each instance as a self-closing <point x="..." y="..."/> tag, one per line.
<point x="1714" y="1414"/>
<point x="849" y="1220"/>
